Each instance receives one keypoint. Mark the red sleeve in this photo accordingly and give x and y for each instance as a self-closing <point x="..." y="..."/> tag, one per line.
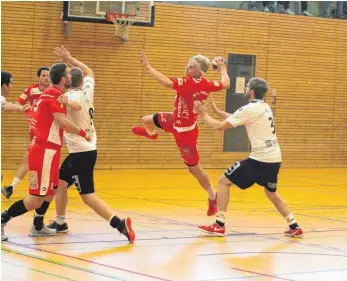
<point x="25" y="96"/>
<point x="56" y="107"/>
<point x="178" y="82"/>
<point x="214" y="86"/>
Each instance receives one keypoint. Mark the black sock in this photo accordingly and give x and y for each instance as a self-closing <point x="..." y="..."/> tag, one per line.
<point x="293" y="226"/>
<point x="115" y="222"/>
<point x="43" y="209"/>
<point x="39" y="215"/>
<point x="15" y="210"/>
<point x="5" y="217"/>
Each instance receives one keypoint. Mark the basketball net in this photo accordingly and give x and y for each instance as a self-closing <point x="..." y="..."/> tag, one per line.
<point x="122" y="23"/>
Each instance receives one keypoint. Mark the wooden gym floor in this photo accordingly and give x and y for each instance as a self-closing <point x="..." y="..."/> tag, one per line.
<point x="166" y="206"/>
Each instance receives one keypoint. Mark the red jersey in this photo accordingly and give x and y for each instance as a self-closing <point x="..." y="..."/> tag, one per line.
<point x="189" y="91"/>
<point x="41" y="120"/>
<point x="30" y="94"/>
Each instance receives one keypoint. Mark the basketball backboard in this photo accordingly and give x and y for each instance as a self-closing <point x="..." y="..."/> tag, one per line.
<point x="95" y="11"/>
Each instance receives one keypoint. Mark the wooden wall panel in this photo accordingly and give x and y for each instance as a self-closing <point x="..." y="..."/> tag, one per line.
<point x="305" y="59"/>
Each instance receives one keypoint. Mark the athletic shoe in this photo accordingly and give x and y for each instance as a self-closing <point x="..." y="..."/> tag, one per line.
<point x="213" y="229"/>
<point x="3" y="236"/>
<point x="142" y="132"/>
<point x="60" y="228"/>
<point x="297" y="232"/>
<point x="306" y="13"/>
<point x="212" y="207"/>
<point x="125" y="228"/>
<point x="7" y="191"/>
<point x="43" y="232"/>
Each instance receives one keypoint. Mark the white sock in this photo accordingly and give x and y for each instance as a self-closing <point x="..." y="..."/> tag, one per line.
<point x="151" y="133"/>
<point x="15" y="182"/>
<point x="221" y="217"/>
<point x="211" y="193"/>
<point x="37" y="215"/>
<point x="290" y="219"/>
<point x="60" y="220"/>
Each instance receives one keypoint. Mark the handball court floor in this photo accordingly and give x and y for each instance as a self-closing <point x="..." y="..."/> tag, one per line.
<point x="166" y="206"/>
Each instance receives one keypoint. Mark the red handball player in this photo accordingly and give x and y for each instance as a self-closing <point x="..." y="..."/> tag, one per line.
<point x="182" y="122"/>
<point x="48" y="122"/>
<point x="29" y="96"/>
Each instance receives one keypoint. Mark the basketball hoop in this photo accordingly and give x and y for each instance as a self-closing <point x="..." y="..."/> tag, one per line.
<point x="122" y="23"/>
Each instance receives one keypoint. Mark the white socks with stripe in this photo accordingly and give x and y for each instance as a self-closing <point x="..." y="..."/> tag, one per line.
<point x="15" y="182"/>
<point x="60" y="220"/>
<point x="292" y="221"/>
<point x="220" y="219"/>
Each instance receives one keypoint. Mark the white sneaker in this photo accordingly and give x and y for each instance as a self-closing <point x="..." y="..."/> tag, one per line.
<point x="305" y="13"/>
<point x="3" y="236"/>
<point x="43" y="232"/>
<point x="289" y="12"/>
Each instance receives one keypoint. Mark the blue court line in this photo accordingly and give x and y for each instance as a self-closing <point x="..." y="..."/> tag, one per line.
<point x="40" y="271"/>
<point x="322" y="218"/>
<point x="253" y="234"/>
<point x="287" y="253"/>
<point x="168" y="230"/>
<point x="281" y="274"/>
<point x="161" y="245"/>
<point x="257" y="235"/>
<point x="182" y="237"/>
<point x="79" y="259"/>
<point x="60" y="263"/>
<point x="300" y="243"/>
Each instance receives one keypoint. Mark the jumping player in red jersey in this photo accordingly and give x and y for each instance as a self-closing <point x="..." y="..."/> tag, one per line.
<point x="48" y="122"/>
<point x="182" y="122"/>
<point x="28" y="97"/>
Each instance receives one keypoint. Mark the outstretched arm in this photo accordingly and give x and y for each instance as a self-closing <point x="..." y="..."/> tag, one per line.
<point x="221" y="113"/>
<point x="213" y="123"/>
<point x="11" y="107"/>
<point x="64" y="56"/>
<point x="68" y="126"/>
<point x="161" y="78"/>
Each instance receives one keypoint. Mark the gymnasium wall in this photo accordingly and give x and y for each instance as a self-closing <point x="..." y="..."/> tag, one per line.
<point x="304" y="59"/>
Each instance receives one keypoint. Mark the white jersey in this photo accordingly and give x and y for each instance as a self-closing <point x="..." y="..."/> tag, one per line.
<point x="3" y="102"/>
<point x="82" y="118"/>
<point x="259" y="121"/>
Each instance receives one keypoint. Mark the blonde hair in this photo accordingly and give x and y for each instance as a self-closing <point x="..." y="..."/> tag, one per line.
<point x="201" y="62"/>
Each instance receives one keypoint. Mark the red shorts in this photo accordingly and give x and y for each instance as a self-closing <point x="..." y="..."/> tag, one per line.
<point x="185" y="141"/>
<point x="43" y="169"/>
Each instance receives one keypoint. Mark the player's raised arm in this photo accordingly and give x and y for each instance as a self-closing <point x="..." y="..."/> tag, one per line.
<point x="68" y="126"/>
<point x="222" y="68"/>
<point x="65" y="56"/>
<point x="161" y="78"/>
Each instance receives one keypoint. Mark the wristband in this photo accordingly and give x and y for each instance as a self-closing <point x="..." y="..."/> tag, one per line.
<point x="82" y="133"/>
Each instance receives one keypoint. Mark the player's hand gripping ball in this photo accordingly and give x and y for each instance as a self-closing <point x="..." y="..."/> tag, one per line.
<point x="215" y="62"/>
